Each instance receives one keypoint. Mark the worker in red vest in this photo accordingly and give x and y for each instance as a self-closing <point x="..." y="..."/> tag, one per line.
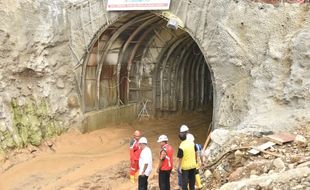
<point x="134" y="155"/>
<point x="165" y="163"/>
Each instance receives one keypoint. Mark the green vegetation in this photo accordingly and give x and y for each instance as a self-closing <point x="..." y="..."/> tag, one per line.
<point x="31" y="124"/>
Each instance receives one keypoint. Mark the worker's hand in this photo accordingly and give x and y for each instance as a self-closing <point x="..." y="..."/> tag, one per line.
<point x="179" y="170"/>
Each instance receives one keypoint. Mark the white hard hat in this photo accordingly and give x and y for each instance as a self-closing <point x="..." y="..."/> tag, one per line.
<point x="143" y="140"/>
<point x="183" y="128"/>
<point x="162" y="138"/>
<point x="190" y="137"/>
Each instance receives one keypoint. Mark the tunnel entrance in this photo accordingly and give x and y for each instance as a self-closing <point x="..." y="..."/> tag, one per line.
<point x="139" y="59"/>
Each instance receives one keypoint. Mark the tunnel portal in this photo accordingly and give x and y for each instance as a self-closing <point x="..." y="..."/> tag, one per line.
<point x="138" y="59"/>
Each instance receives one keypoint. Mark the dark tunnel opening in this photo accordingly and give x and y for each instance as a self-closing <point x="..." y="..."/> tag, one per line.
<point x="139" y="59"/>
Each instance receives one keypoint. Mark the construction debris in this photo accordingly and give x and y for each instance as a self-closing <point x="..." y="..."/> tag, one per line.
<point x="256" y="150"/>
<point x="281" y="138"/>
<point x="251" y="162"/>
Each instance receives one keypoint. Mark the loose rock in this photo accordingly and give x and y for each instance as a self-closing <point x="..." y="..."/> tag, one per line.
<point x="301" y="141"/>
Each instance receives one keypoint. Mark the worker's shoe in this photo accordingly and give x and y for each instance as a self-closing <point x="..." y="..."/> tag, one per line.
<point x="198" y="181"/>
<point x="132" y="178"/>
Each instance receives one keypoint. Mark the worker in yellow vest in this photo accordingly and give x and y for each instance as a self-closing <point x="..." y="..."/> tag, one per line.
<point x="187" y="163"/>
<point x="198" y="147"/>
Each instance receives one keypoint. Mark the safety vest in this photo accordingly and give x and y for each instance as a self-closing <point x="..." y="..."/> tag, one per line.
<point x="189" y="155"/>
<point x="134" y="150"/>
<point x="167" y="163"/>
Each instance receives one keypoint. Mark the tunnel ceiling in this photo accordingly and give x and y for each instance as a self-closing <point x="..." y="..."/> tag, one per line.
<point x="139" y="58"/>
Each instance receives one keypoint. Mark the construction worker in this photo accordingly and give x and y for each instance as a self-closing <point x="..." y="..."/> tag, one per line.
<point x="198" y="147"/>
<point x="165" y="164"/>
<point x="134" y="155"/>
<point x="187" y="161"/>
<point x="182" y="135"/>
<point x="145" y="164"/>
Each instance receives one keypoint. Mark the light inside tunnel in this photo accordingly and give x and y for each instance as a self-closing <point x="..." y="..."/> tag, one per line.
<point x="139" y="58"/>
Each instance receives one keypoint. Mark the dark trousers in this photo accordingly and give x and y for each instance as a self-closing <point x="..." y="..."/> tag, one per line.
<point x="142" y="181"/>
<point x="188" y="177"/>
<point x="164" y="179"/>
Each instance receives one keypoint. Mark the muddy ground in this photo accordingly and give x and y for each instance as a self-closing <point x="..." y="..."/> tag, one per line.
<point x="96" y="160"/>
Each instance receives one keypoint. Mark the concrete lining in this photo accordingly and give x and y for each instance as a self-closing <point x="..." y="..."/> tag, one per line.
<point x="112" y="115"/>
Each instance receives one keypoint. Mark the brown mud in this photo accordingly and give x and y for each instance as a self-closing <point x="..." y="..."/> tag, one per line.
<point x="96" y="160"/>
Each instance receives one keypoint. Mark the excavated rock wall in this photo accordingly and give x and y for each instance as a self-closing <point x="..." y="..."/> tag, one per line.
<point x="37" y="86"/>
<point x="258" y="54"/>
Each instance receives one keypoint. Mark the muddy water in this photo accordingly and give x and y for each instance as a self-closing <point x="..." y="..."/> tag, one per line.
<point x="97" y="160"/>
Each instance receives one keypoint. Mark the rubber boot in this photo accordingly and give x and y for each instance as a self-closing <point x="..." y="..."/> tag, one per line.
<point x="198" y="181"/>
<point x="132" y="178"/>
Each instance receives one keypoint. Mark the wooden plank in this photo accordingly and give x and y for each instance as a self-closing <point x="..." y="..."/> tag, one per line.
<point x="281" y="138"/>
<point x="256" y="150"/>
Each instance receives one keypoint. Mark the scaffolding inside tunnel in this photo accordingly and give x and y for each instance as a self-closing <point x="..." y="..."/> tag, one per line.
<point x="137" y="58"/>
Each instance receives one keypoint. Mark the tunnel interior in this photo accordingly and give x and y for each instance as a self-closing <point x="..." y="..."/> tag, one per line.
<point x="138" y="59"/>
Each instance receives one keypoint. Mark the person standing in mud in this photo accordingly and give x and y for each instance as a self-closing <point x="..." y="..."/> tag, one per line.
<point x="187" y="160"/>
<point x="184" y="130"/>
<point x="134" y="155"/>
<point x="145" y="164"/>
<point x="165" y="164"/>
<point x="198" y="149"/>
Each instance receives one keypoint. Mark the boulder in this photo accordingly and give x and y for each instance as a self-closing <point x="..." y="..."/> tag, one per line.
<point x="279" y="164"/>
<point x="266" y="180"/>
<point x="220" y="136"/>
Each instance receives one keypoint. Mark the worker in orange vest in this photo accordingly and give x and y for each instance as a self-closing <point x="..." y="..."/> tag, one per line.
<point x="165" y="163"/>
<point x="134" y="155"/>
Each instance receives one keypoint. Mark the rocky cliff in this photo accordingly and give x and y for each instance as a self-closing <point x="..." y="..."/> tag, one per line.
<point x="258" y="54"/>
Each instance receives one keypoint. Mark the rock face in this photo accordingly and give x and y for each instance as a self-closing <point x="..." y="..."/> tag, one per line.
<point x="259" y="55"/>
<point x="265" y="53"/>
<point x="33" y="57"/>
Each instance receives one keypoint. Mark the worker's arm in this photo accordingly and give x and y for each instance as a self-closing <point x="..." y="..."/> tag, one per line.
<point x="180" y="156"/>
<point x="161" y="159"/>
<point x="144" y="168"/>
<point x="179" y="165"/>
<point x="196" y="153"/>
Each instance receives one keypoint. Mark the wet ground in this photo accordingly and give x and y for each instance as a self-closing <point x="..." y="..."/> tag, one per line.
<point x="96" y="160"/>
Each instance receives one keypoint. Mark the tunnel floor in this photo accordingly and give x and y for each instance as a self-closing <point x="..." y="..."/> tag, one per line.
<point x="96" y="160"/>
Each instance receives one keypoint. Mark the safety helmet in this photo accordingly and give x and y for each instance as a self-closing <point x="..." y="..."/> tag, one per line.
<point x="190" y="137"/>
<point x="183" y="128"/>
<point x="162" y="138"/>
<point x="142" y="140"/>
